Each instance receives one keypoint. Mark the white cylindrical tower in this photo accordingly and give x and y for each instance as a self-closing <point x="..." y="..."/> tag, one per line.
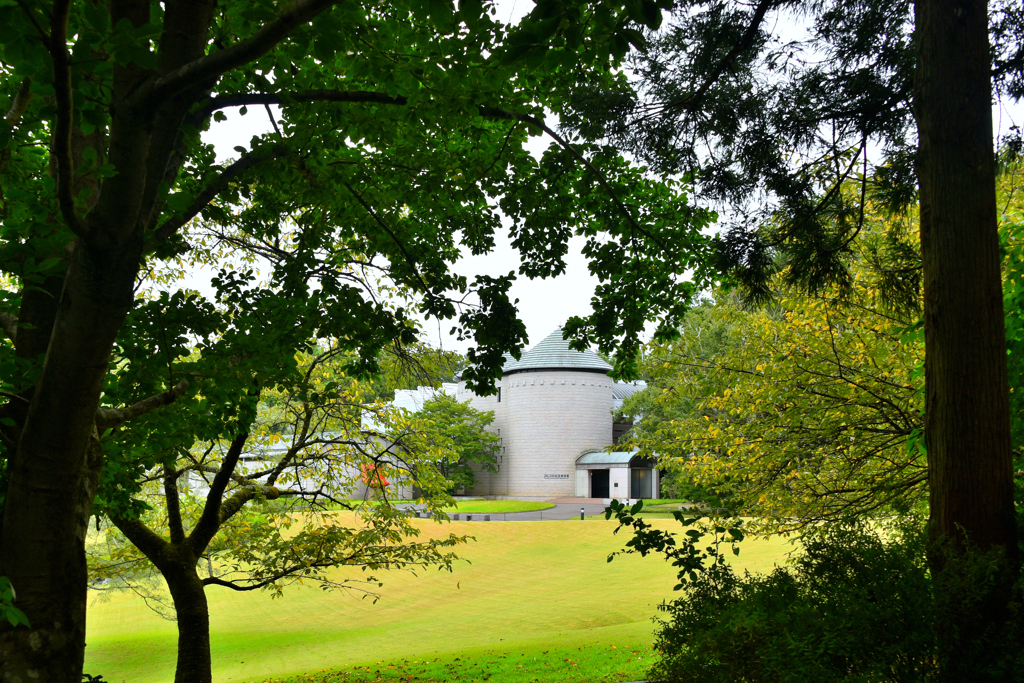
<point x="555" y="404"/>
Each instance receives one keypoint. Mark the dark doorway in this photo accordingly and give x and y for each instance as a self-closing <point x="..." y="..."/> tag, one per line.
<point x="599" y="484"/>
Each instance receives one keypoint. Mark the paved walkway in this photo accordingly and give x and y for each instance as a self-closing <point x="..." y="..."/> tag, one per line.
<point x="562" y="510"/>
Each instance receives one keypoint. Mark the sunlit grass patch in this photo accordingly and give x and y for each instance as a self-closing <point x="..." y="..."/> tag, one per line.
<point x="526" y="587"/>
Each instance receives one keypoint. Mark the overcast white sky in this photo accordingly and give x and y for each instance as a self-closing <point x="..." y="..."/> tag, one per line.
<point x="543" y="304"/>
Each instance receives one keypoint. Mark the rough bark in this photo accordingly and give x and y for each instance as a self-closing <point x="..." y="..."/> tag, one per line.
<point x="193" y="664"/>
<point x="52" y="476"/>
<point x="967" y="424"/>
<point x="54" y="472"/>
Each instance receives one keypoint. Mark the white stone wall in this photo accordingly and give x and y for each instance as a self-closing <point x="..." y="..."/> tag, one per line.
<point x="618" y="482"/>
<point x="549" y="419"/>
<point x="583" y="483"/>
<point x="490" y="483"/>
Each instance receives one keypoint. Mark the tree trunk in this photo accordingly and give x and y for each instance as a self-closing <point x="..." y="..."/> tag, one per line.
<point x="54" y="473"/>
<point x="177" y="562"/>
<point x="967" y="426"/>
<point x="193" y="613"/>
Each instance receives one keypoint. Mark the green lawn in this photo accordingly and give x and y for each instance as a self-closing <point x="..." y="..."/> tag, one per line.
<point x="590" y="662"/>
<point x="530" y="589"/>
<point x="499" y="506"/>
<point x="473" y="505"/>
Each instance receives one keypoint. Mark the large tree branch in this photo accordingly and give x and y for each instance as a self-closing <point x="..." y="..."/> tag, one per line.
<point x="13" y="116"/>
<point x="210" y="66"/>
<point x="210" y="520"/>
<point x="214" y="581"/>
<point x="112" y="417"/>
<point x="20" y="104"/>
<point x="373" y="556"/>
<point x="173" y="224"/>
<point x="142" y="537"/>
<point x="173" y="505"/>
<point x="267" y="98"/>
<point x="61" y="144"/>
<point x="35" y="22"/>
<point x="283" y="574"/>
<point x="168" y="151"/>
<point x="233" y="504"/>
<point x="210" y="192"/>
<point x="693" y="101"/>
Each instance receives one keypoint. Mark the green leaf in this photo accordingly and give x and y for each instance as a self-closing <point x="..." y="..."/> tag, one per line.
<point x="635" y="11"/>
<point x="652" y="16"/>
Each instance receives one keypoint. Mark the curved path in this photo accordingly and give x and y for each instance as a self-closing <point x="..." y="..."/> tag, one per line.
<point x="561" y="510"/>
<point x="564" y="509"/>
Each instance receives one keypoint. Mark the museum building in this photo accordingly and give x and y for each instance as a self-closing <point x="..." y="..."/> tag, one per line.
<point x="553" y="411"/>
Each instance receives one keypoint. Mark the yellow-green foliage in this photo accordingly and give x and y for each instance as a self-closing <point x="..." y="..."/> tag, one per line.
<point x="1011" y="218"/>
<point x="800" y="411"/>
<point x="811" y="408"/>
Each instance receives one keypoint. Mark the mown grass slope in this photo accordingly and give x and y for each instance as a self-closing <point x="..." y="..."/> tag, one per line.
<point x="526" y="585"/>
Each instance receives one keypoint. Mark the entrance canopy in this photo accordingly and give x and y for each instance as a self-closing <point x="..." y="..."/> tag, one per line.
<point x="619" y="474"/>
<point x="603" y="459"/>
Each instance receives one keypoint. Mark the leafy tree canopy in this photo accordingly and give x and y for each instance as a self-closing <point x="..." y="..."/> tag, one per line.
<point x="794" y="414"/>
<point x="255" y="511"/>
<point x="398" y="134"/>
<point x="462" y="430"/>
<point x="812" y="408"/>
<point x="772" y="108"/>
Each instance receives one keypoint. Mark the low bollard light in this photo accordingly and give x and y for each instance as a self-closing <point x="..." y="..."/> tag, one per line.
<point x="581" y="513"/>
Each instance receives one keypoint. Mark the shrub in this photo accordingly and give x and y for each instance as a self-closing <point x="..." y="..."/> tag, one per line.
<point x="852" y="607"/>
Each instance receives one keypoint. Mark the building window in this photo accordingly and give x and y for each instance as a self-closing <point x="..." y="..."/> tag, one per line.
<point x="499" y="394"/>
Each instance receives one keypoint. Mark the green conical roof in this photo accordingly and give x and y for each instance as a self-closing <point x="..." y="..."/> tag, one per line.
<point x="553" y="353"/>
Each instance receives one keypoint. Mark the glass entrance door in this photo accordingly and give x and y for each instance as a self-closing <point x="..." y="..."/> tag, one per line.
<point x="640" y="480"/>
